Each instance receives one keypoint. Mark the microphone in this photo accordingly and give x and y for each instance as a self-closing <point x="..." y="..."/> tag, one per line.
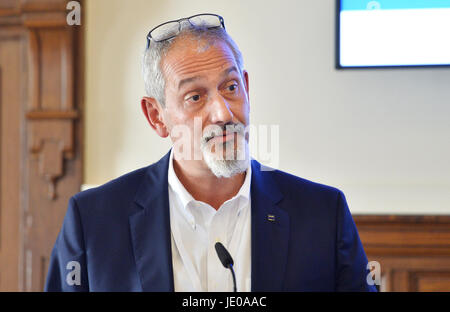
<point x="226" y="260"/>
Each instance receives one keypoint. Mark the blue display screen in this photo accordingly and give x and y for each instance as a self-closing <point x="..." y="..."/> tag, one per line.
<point x="393" y="33"/>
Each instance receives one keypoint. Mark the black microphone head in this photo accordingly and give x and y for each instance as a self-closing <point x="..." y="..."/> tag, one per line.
<point x="223" y="255"/>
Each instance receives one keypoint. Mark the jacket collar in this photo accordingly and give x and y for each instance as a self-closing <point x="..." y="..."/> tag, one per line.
<point x="270" y="231"/>
<point x="150" y="230"/>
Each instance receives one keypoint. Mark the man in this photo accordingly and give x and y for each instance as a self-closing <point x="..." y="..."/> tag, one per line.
<point x="155" y="229"/>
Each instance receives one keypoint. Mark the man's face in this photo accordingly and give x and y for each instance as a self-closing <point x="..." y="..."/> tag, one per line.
<point x="204" y="84"/>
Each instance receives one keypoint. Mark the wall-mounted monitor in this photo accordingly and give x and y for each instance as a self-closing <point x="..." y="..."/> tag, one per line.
<point x="387" y="33"/>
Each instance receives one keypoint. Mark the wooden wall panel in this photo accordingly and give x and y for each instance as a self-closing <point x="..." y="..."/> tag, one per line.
<point x="430" y="281"/>
<point x="413" y="251"/>
<point x="11" y="103"/>
<point x="9" y="7"/>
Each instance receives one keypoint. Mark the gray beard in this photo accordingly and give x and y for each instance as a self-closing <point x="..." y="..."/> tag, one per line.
<point x="226" y="168"/>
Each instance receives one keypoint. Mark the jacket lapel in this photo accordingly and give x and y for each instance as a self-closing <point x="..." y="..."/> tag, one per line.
<point x="150" y="230"/>
<point x="270" y="232"/>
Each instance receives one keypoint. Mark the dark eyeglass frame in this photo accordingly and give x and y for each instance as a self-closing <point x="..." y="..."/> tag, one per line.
<point x="149" y="35"/>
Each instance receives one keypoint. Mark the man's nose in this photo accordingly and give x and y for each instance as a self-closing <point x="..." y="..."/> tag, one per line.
<point x="220" y="112"/>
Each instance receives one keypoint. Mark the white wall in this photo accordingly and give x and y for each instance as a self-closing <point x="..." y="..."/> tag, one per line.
<point x="382" y="136"/>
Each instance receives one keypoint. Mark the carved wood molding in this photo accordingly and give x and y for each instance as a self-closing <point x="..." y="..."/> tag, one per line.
<point x="365" y="220"/>
<point x="51" y="113"/>
<point x="38" y="115"/>
<point x="404" y="235"/>
<point x="33" y="13"/>
<point x="50" y="144"/>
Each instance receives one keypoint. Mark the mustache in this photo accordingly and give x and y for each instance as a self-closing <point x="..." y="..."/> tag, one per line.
<point x="212" y="131"/>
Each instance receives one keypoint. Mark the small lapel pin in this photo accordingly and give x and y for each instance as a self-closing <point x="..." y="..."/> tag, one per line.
<point x="271" y="218"/>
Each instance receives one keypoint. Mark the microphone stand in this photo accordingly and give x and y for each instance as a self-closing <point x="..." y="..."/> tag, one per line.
<point x="234" y="277"/>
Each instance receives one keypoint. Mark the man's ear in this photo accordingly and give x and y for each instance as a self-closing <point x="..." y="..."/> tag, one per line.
<point x="245" y="76"/>
<point x="153" y="112"/>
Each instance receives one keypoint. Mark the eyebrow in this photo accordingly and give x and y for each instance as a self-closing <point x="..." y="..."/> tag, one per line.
<point x="191" y="79"/>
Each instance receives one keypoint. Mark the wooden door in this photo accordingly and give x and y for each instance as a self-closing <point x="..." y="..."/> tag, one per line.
<point x="40" y="134"/>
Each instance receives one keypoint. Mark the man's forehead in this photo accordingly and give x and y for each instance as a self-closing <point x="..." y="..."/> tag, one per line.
<point x="183" y="81"/>
<point x="185" y="61"/>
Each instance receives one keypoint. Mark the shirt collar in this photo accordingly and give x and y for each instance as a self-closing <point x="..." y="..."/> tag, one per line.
<point x="185" y="197"/>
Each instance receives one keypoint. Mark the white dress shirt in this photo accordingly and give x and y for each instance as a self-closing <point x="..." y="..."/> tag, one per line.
<point x="196" y="227"/>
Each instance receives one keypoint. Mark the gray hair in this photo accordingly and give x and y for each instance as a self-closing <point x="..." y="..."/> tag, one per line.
<point x="153" y="77"/>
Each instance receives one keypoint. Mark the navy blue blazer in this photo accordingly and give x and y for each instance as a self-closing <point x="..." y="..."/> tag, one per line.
<point x="119" y="235"/>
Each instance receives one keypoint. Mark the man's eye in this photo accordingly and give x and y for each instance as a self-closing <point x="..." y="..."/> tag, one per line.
<point x="194" y="98"/>
<point x="232" y="87"/>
